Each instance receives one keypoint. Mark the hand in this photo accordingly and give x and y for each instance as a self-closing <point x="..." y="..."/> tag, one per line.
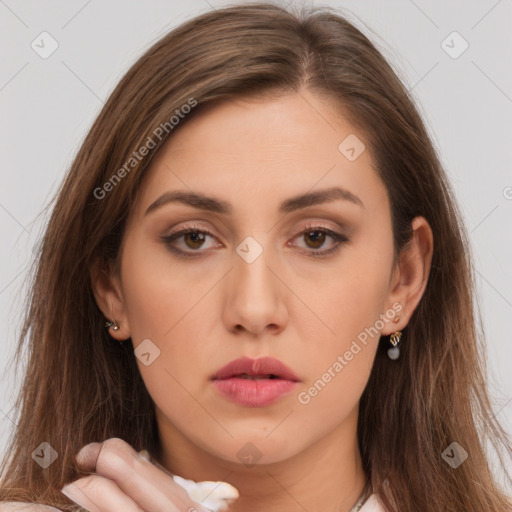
<point x="124" y="480"/>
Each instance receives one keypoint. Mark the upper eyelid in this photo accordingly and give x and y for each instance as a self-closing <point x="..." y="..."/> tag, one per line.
<point x="312" y="226"/>
<point x="186" y="229"/>
<point x="309" y="225"/>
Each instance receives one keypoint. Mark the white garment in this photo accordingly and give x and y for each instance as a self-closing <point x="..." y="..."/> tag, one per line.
<point x="372" y="504"/>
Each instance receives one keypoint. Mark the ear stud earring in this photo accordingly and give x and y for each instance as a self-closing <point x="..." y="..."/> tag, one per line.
<point x="112" y="324"/>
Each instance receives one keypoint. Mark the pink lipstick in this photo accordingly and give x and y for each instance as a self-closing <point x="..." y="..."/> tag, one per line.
<point x="255" y="382"/>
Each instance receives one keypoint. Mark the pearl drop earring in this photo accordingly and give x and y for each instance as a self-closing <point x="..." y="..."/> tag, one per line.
<point x="394" y="339"/>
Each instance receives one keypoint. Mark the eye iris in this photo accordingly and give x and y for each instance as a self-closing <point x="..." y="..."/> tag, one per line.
<point x="315" y="239"/>
<point x="318" y="240"/>
<point x="196" y="238"/>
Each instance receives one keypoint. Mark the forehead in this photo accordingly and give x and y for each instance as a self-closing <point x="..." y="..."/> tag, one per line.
<point x="292" y="124"/>
<point x="264" y="148"/>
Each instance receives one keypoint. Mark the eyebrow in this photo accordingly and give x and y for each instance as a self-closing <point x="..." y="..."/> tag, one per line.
<point x="212" y="204"/>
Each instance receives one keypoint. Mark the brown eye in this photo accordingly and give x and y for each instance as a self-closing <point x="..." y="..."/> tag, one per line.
<point x="192" y="241"/>
<point x="317" y="237"/>
<point x="187" y="242"/>
<point x="196" y="239"/>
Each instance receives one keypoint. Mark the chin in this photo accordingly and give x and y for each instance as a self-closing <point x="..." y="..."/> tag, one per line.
<point x="255" y="449"/>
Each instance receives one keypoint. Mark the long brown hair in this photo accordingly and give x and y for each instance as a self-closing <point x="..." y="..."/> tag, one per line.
<point x="81" y="386"/>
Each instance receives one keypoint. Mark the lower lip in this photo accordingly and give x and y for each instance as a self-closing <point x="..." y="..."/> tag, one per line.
<point x="254" y="393"/>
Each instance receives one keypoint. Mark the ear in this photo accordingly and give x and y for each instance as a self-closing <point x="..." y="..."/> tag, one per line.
<point x="107" y="291"/>
<point x="410" y="274"/>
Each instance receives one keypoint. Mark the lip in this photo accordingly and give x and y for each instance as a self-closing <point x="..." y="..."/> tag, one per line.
<point x="256" y="367"/>
<point x="255" y="393"/>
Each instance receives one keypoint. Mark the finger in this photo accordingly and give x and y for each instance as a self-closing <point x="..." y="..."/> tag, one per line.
<point x="98" y="494"/>
<point x="88" y="456"/>
<point x="149" y="487"/>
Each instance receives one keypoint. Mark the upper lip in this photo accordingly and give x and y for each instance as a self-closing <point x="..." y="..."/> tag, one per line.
<point x="262" y="366"/>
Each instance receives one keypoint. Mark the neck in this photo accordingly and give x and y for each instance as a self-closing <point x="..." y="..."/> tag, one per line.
<point x="326" y="476"/>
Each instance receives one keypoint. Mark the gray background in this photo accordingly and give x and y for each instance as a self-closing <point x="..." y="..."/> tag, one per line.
<point x="47" y="106"/>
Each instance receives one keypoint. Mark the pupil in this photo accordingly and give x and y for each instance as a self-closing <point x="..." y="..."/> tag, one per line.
<point x="319" y="239"/>
<point x="196" y="238"/>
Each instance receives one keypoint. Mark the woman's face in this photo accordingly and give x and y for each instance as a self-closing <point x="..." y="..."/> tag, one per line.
<point x="270" y="280"/>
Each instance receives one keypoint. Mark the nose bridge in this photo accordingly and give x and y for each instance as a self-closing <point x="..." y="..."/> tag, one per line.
<point x="252" y="258"/>
<point x="254" y="299"/>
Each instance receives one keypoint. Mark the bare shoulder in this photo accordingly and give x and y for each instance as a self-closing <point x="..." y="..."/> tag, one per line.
<point x="18" y="506"/>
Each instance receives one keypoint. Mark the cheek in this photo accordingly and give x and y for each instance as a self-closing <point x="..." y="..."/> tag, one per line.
<point x="157" y="292"/>
<point x="350" y="300"/>
<point x="166" y="305"/>
<point x="339" y="364"/>
<point x="350" y="295"/>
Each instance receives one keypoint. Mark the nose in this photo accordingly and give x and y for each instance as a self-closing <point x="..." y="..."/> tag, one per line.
<point x="254" y="296"/>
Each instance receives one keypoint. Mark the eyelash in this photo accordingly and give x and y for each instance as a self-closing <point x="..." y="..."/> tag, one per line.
<point x="337" y="237"/>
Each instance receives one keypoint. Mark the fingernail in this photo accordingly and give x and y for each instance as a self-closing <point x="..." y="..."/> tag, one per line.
<point x="73" y="493"/>
<point x="144" y="454"/>
<point x="83" y="453"/>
